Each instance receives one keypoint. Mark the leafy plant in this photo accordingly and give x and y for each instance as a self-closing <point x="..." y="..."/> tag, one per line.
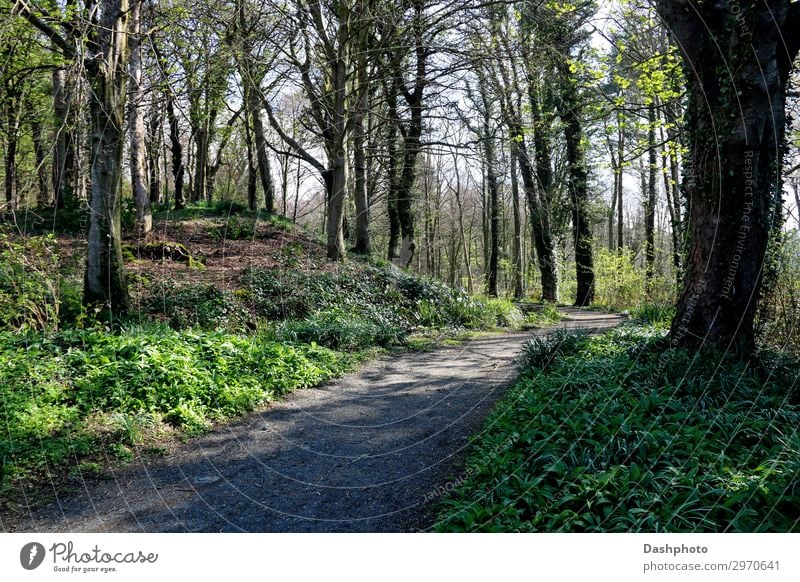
<point x="234" y="229"/>
<point x="621" y="433"/>
<point x="337" y="329"/>
<point x="200" y="305"/>
<point x="30" y="282"/>
<point x="59" y="387"/>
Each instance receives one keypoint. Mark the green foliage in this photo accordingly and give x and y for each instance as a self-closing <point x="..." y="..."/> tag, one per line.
<point x="383" y="295"/>
<point x="58" y="388"/>
<point x="128" y="213"/>
<point x="653" y="314"/>
<point x="31" y="284"/>
<point x="780" y="313"/>
<point x="540" y="350"/>
<point x="620" y="433"/>
<point x="201" y="305"/>
<point x="340" y="330"/>
<point x="234" y="229"/>
<point x="546" y="314"/>
<point x="228" y="207"/>
<point x="622" y="285"/>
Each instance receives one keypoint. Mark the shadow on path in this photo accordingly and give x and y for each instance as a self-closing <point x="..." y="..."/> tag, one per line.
<point x="356" y="454"/>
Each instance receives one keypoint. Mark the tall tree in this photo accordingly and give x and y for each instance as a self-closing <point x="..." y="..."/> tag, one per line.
<point x="106" y="67"/>
<point x="138" y="146"/>
<point x="737" y="61"/>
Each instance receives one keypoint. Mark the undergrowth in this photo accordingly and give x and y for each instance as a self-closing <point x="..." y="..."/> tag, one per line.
<point x="621" y="433"/>
<point x="66" y="393"/>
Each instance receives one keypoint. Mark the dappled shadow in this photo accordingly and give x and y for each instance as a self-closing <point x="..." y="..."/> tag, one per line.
<point x="364" y="453"/>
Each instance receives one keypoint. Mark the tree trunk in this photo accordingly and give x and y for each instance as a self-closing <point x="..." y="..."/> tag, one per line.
<point x="363" y="244"/>
<point x="252" y="169"/>
<point x="40" y="152"/>
<point x="519" y="290"/>
<point x="262" y="155"/>
<point x="542" y="237"/>
<point x="674" y="220"/>
<point x="619" y="181"/>
<point x="462" y="232"/>
<point x="11" y="121"/>
<point x="154" y="143"/>
<point x="336" y="174"/>
<point x="64" y="146"/>
<point x="578" y="188"/>
<point x="735" y="125"/>
<point x="494" y="196"/>
<point x="138" y="148"/>
<point x="176" y="149"/>
<point x="393" y="251"/>
<point x="104" y="285"/>
<point x="650" y="200"/>
<point x="541" y="193"/>
<point x="201" y="163"/>
<point x="336" y="182"/>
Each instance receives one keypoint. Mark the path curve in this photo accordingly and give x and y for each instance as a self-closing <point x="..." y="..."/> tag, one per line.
<point x="362" y="453"/>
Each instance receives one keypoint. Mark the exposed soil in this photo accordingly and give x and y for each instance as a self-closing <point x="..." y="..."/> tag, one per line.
<point x="223" y="260"/>
<point x="365" y="453"/>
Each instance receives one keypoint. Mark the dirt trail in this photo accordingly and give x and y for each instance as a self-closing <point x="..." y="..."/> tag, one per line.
<point x="362" y="453"/>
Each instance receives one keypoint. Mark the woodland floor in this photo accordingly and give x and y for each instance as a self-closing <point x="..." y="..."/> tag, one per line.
<point x="365" y="453"/>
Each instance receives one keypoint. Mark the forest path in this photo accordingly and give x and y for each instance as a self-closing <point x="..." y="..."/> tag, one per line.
<point x="363" y="453"/>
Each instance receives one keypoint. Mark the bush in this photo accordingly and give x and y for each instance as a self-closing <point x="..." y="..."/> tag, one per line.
<point x="620" y="433"/>
<point x="234" y="229"/>
<point x="342" y="308"/>
<point x="622" y="285"/>
<point x="383" y="295"/>
<point x="780" y="313"/>
<point x="228" y="207"/>
<point x="653" y="314"/>
<point x="276" y="295"/>
<point x="539" y="351"/>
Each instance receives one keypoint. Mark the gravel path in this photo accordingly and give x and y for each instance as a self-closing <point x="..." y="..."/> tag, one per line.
<point x="357" y="454"/>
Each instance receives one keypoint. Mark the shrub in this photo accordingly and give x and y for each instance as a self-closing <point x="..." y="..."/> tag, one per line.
<point x="228" y="207"/>
<point x="275" y="294"/>
<point x="620" y="284"/>
<point x="654" y="314"/>
<point x="234" y="229"/>
<point x="780" y="313"/>
<point x="504" y="312"/>
<point x="539" y="351"/>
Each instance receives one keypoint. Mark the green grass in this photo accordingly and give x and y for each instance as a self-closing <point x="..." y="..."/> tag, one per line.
<point x="623" y="433"/>
<point x="66" y="394"/>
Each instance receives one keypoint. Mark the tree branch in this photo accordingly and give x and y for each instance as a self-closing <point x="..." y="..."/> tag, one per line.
<point x="26" y="12"/>
<point x="301" y="151"/>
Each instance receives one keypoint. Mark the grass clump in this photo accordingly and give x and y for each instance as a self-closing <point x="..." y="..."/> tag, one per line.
<point x="622" y="433"/>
